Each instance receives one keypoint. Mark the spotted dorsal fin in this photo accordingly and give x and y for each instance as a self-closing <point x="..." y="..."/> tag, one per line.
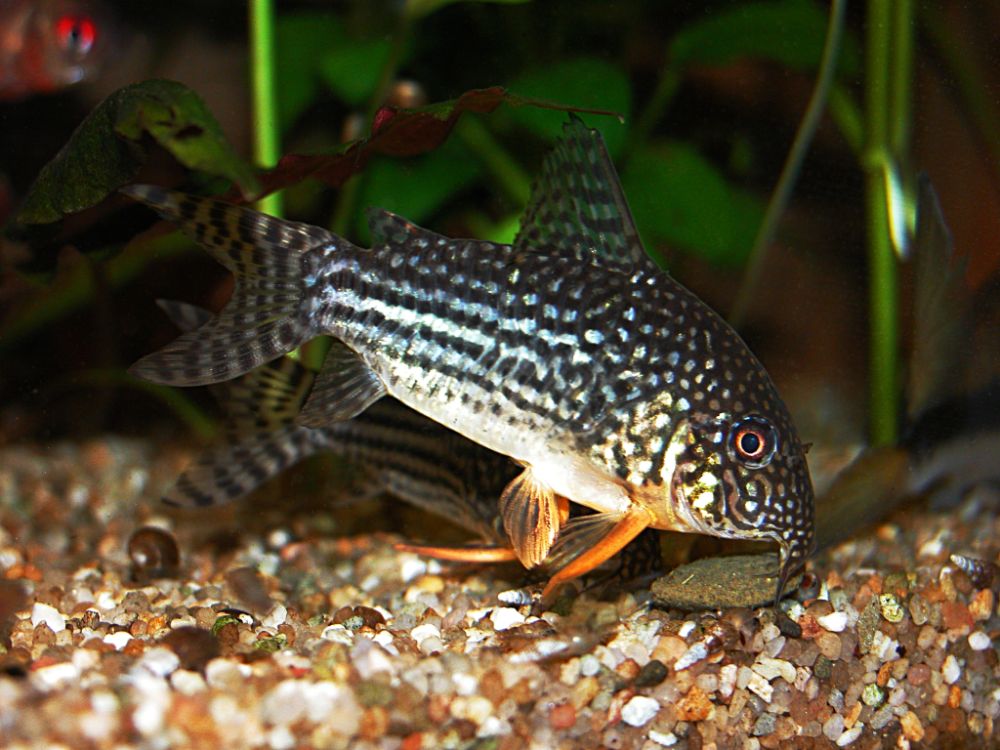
<point x="577" y="205"/>
<point x="388" y="228"/>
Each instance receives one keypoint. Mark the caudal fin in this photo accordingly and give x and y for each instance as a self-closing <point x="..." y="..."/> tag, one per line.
<point x="276" y="305"/>
<point x="261" y="437"/>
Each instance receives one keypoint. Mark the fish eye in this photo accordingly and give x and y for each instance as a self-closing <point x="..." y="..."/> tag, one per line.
<point x="753" y="441"/>
<point x="76" y="34"/>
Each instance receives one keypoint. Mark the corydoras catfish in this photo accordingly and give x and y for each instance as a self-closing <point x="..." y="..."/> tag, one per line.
<point x="569" y="351"/>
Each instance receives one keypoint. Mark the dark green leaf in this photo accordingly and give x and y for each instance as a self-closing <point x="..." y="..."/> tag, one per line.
<point x="585" y="83"/>
<point x="314" y="49"/>
<point x="300" y="39"/>
<point x="680" y="198"/>
<point x="351" y="67"/>
<point x="106" y="150"/>
<point x="787" y="31"/>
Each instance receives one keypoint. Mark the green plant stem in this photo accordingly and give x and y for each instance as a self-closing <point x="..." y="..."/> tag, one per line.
<point x="266" y="133"/>
<point x="887" y="68"/>
<point x="848" y="117"/>
<point x="793" y="164"/>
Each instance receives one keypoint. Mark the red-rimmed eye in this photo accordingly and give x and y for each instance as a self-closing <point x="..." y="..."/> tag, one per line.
<point x="753" y="441"/>
<point x="76" y="34"/>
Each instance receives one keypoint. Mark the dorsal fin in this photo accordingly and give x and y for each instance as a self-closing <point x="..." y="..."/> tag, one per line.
<point x="577" y="205"/>
<point x="388" y="228"/>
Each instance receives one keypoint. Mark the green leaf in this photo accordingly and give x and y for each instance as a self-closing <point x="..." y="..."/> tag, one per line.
<point x="418" y="187"/>
<point x="300" y="39"/>
<point x="351" y="67"/>
<point x="787" y="31"/>
<point x="107" y="149"/>
<point x="314" y="49"/>
<point x="680" y="198"/>
<point x="583" y="82"/>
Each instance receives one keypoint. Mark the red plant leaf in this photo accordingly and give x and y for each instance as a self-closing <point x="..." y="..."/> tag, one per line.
<point x="399" y="133"/>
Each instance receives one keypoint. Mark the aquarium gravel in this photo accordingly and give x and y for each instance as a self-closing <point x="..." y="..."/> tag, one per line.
<point x="290" y="638"/>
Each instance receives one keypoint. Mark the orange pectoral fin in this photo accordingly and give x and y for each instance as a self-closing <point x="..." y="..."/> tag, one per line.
<point x="627" y="529"/>
<point x="461" y="554"/>
<point x="531" y="518"/>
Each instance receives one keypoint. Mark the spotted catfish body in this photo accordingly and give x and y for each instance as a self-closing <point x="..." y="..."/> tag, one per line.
<point x="569" y="351"/>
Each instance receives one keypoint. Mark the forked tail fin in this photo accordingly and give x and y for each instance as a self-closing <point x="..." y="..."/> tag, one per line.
<point x="276" y="305"/>
<point x="261" y="437"/>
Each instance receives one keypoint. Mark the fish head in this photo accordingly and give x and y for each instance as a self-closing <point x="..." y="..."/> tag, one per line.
<point x="62" y="43"/>
<point x="744" y="476"/>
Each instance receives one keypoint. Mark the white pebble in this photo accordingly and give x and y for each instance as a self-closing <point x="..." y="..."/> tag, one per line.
<point x="951" y="670"/>
<point x="225" y="674"/>
<point x="850" y="735"/>
<point x="431" y="645"/>
<point x="159" y="661"/>
<point x="275" y="617"/>
<point x="474" y="708"/>
<point x="465" y="684"/>
<point x="338" y="634"/>
<point x="327" y="702"/>
<point x="55" y="675"/>
<point x="760" y="686"/>
<point x="931" y="548"/>
<point x="727" y="680"/>
<point x="411" y="568"/>
<point x="281" y="738"/>
<point x="769" y="632"/>
<point x="425" y="630"/>
<point x="666" y="739"/>
<point x="106" y="600"/>
<point x="694" y="654"/>
<point x="687" y="628"/>
<point x="979" y="641"/>
<point x="186" y="682"/>
<point x="505" y="617"/>
<point x="49" y="615"/>
<point x="769" y="668"/>
<point x="833" y="727"/>
<point x="117" y="639"/>
<point x="285" y="703"/>
<point x="639" y="711"/>
<point x="384" y="639"/>
<point x="369" y="658"/>
<point x="589" y="665"/>
<point x="835" y="622"/>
